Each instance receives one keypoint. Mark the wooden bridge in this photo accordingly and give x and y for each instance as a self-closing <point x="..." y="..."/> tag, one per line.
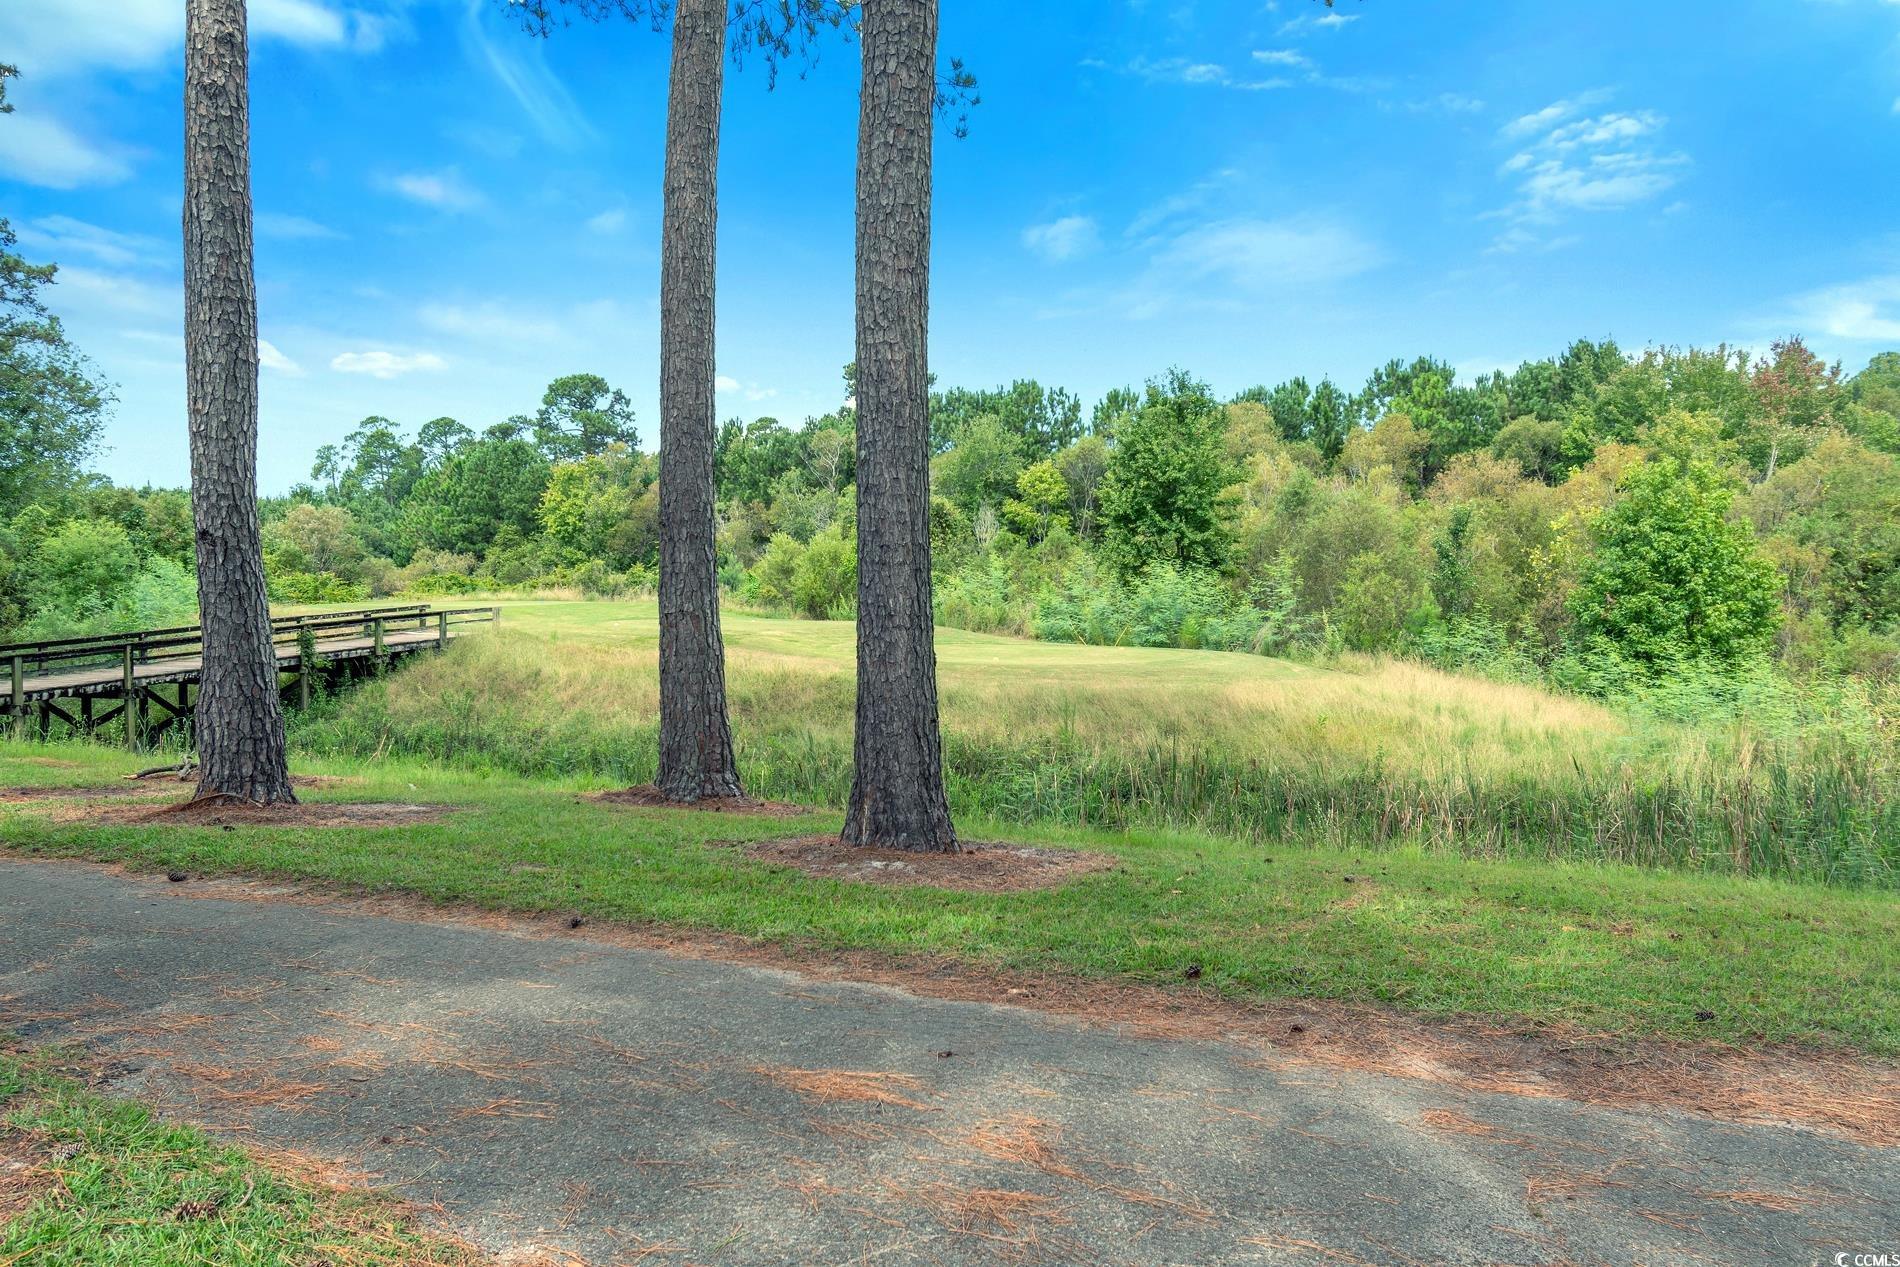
<point x="145" y="679"/>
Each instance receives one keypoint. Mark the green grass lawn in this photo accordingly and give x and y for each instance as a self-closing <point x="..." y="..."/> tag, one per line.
<point x="121" y="1188"/>
<point x="1601" y="946"/>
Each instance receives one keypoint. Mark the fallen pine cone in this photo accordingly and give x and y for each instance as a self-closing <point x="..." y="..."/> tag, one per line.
<point x="194" y="1211"/>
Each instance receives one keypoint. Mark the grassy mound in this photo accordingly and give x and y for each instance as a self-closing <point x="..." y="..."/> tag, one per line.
<point x="1378" y="754"/>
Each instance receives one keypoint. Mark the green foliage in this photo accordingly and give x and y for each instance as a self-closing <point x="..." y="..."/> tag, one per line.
<point x="83" y="567"/>
<point x="981" y="467"/>
<point x="582" y="415"/>
<point x="483" y="488"/>
<point x="1162" y="495"/>
<point x="52" y="403"/>
<point x="825" y="577"/>
<point x="1040" y="421"/>
<point x="1041" y="501"/>
<point x="1673" y="579"/>
<point x="771" y="581"/>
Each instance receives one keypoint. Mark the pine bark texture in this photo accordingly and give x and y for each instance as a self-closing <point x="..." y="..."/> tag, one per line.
<point x="897" y="793"/>
<point x="696" y="758"/>
<point x="240" y="723"/>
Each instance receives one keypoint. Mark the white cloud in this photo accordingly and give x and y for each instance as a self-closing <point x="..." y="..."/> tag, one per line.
<point x="1448" y="102"/>
<point x="1863" y="311"/>
<point x="40" y="150"/>
<point x="444" y="189"/>
<point x="114" y="296"/>
<point x="299" y="21"/>
<point x="726" y="385"/>
<point x="1245" y="260"/>
<point x="380" y="363"/>
<point x="272" y="224"/>
<point x="1281" y="57"/>
<point x="491" y="322"/>
<point x="1182" y="70"/>
<point x="1266" y="254"/>
<point x="608" y="221"/>
<point x="1331" y="20"/>
<point x="268" y="357"/>
<point x="1569" y="162"/>
<point x="52" y="38"/>
<point x="62" y="237"/>
<point x="1068" y="238"/>
<point x="522" y="69"/>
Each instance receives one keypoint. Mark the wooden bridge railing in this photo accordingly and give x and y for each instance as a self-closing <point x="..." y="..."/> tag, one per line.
<point x="110" y="664"/>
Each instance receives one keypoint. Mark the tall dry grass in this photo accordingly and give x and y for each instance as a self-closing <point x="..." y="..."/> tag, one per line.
<point x="1372" y="753"/>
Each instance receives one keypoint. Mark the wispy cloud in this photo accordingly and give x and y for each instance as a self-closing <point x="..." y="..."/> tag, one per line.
<point x="1866" y="311"/>
<point x="1068" y="238"/>
<point x="384" y="364"/>
<point x="520" y="67"/>
<point x="271" y="224"/>
<point x="56" y="38"/>
<point x="1446" y="103"/>
<point x="608" y="222"/>
<point x="1257" y="255"/>
<point x="114" y="297"/>
<point x="1188" y="72"/>
<point x="62" y="238"/>
<point x="489" y="322"/>
<point x="1568" y="161"/>
<point x="444" y="189"/>
<point x="40" y="150"/>
<point x="1331" y="20"/>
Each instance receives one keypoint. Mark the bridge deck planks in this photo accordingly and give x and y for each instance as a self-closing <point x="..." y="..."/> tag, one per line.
<point x="109" y="679"/>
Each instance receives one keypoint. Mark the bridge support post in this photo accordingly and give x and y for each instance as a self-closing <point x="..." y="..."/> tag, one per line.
<point x="441" y="631"/>
<point x="19" y="696"/>
<point x="381" y="649"/>
<point x="129" y="685"/>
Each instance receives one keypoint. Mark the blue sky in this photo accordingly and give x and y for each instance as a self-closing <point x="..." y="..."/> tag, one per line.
<point x="451" y="213"/>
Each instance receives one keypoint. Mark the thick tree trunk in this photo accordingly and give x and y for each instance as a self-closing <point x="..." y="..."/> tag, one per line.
<point x="239" y="722"/>
<point x="897" y="796"/>
<point x="696" y="757"/>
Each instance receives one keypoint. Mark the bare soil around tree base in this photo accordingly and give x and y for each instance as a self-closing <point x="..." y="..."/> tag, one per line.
<point x="976" y="868"/>
<point x="646" y="796"/>
<point x="132" y="805"/>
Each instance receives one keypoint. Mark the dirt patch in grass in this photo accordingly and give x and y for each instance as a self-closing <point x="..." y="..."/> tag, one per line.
<point x="646" y="796"/>
<point x="1841" y="1093"/>
<point x="26" y="1173"/>
<point x="230" y="811"/>
<point x="152" y="787"/>
<point x="979" y="868"/>
<point x="104" y="791"/>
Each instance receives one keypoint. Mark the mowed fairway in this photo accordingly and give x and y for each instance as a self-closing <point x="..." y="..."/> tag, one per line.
<point x="509" y="729"/>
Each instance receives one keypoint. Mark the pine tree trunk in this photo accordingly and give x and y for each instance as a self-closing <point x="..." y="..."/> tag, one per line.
<point x="897" y="795"/>
<point x="696" y="758"/>
<point x="240" y="724"/>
